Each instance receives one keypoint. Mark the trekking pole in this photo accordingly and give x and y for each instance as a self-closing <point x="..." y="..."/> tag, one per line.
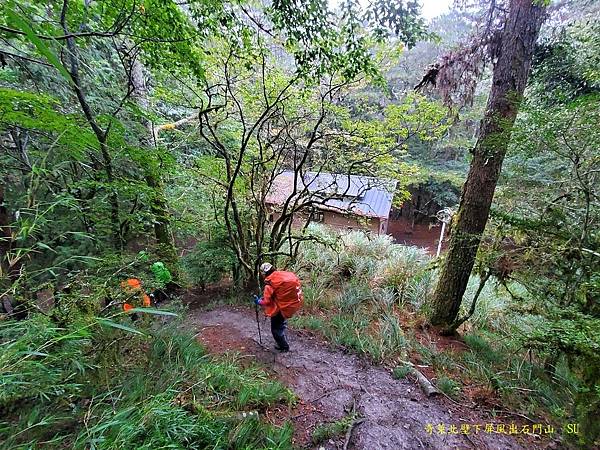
<point x="258" y="323"/>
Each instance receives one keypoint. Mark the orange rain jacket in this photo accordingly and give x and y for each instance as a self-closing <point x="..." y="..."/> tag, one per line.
<point x="132" y="286"/>
<point x="282" y="293"/>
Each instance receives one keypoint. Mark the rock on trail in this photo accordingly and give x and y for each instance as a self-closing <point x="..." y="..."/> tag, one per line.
<point x="329" y="383"/>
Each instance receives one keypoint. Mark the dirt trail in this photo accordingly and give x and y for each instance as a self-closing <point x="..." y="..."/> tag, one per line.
<point x="328" y="382"/>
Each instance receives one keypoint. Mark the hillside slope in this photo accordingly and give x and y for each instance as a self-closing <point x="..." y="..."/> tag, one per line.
<point x="330" y="383"/>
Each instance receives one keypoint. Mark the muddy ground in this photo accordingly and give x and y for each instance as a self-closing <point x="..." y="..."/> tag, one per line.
<point x="329" y="382"/>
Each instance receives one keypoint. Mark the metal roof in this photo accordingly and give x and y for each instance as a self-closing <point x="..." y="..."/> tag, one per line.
<point x="356" y="194"/>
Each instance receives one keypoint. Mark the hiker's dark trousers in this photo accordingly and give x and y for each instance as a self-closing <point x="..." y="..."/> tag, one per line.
<point x="278" y="326"/>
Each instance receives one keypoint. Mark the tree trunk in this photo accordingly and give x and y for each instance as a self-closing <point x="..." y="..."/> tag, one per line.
<point x="9" y="272"/>
<point x="113" y="198"/>
<point x="511" y="71"/>
<point x="158" y="205"/>
<point x="101" y="135"/>
<point x="5" y="235"/>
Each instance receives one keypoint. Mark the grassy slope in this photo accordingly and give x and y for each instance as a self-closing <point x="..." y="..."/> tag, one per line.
<point x="369" y="296"/>
<point x="104" y="388"/>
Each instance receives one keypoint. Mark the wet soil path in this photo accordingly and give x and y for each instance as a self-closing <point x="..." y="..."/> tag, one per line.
<point x="330" y="382"/>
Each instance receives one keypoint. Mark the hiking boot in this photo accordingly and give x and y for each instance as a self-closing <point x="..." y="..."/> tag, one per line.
<point x="281" y="349"/>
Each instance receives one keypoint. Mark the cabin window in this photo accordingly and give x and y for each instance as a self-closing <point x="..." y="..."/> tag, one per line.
<point x="317" y="216"/>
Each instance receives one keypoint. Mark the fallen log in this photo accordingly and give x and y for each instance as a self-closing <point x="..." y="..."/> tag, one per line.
<point x="427" y="386"/>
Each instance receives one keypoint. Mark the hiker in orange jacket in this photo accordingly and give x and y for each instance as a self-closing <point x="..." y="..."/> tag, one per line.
<point x="282" y="298"/>
<point x="133" y="288"/>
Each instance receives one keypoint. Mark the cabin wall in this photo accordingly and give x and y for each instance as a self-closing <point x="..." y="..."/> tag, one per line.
<point x="342" y="222"/>
<point x="348" y="222"/>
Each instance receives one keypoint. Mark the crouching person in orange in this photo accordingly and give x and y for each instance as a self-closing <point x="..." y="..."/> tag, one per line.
<point x="133" y="289"/>
<point x="282" y="298"/>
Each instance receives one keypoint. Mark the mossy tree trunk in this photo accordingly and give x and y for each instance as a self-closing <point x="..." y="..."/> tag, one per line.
<point x="77" y="87"/>
<point x="510" y="74"/>
<point x="158" y="206"/>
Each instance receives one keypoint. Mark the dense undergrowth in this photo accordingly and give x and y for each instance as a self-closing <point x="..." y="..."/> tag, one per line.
<point x="78" y="380"/>
<point x="370" y="296"/>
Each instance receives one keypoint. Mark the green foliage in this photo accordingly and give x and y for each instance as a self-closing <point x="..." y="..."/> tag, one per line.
<point x="174" y="409"/>
<point x="401" y="372"/>
<point x="22" y="24"/>
<point x="326" y="431"/>
<point x="419" y="288"/>
<point x="324" y="43"/>
<point x="356" y="331"/>
<point x="162" y="397"/>
<point x="555" y="157"/>
<point x="210" y="261"/>
<point x="571" y="331"/>
<point x="566" y="65"/>
<point x="41" y="113"/>
<point x="370" y="276"/>
<point x="168" y="39"/>
<point x="353" y="295"/>
<point x="161" y="273"/>
<point x="481" y="347"/>
<point x="353" y="276"/>
<point x="76" y="166"/>
<point x="41" y="361"/>
<point x="134" y="385"/>
<point x="379" y="270"/>
<point x="448" y="386"/>
<point x="355" y="254"/>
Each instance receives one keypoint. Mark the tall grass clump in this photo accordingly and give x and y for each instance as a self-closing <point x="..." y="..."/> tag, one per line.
<point x="357" y="279"/>
<point x="319" y="255"/>
<point x="315" y="290"/>
<point x="393" y="339"/>
<point x="40" y="361"/>
<point x="401" y="265"/>
<point x="176" y="406"/>
<point x="353" y="295"/>
<point x="333" y="258"/>
<point x="362" y="254"/>
<point x="419" y="288"/>
<point x="491" y="308"/>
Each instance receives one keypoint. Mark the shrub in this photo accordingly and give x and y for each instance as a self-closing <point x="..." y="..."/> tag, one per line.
<point x="209" y="262"/>
<point x="448" y="386"/>
<point x="331" y="430"/>
<point x="401" y="372"/>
